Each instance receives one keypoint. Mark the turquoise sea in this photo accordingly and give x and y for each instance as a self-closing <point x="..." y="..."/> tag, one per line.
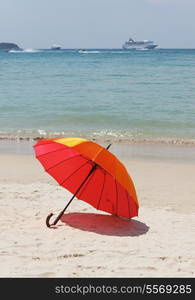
<point x="101" y="93"/>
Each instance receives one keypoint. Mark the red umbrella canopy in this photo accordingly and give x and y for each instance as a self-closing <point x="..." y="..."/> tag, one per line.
<point x="90" y="172"/>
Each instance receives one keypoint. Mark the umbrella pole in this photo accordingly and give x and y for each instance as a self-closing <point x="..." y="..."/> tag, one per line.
<point x="62" y="212"/>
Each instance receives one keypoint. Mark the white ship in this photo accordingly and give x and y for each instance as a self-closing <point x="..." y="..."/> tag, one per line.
<point x="139" y="45"/>
<point x="55" y="47"/>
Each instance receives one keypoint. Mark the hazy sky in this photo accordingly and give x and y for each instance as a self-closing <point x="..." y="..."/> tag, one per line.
<point x="97" y="23"/>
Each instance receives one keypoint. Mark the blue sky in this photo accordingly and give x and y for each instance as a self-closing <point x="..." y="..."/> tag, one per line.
<point x="97" y="23"/>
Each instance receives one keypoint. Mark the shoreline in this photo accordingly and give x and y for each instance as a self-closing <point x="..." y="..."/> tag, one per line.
<point x="107" y="138"/>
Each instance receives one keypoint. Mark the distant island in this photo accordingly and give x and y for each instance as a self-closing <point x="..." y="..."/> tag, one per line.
<point x="9" y="46"/>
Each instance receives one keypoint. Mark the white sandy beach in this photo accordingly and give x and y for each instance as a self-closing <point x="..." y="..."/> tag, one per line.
<point x="90" y="243"/>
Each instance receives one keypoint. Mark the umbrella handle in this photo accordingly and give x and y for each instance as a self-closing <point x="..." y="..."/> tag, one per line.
<point x="47" y="220"/>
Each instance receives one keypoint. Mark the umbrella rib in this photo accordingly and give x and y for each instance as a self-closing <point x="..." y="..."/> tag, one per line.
<point x="74" y="172"/>
<point x="61" y="149"/>
<point x="84" y="187"/>
<point x="116" y="197"/>
<point x="101" y="191"/>
<point x="62" y="162"/>
<point x="128" y="203"/>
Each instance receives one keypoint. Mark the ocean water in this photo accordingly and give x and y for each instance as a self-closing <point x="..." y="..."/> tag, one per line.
<point x="102" y="93"/>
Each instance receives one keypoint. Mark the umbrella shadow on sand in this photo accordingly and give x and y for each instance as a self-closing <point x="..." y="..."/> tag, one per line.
<point x="105" y="224"/>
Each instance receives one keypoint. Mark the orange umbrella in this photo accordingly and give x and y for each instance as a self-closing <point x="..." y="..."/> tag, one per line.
<point x="91" y="173"/>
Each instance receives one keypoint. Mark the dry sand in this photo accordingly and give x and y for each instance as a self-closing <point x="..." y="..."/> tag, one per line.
<point x="90" y="243"/>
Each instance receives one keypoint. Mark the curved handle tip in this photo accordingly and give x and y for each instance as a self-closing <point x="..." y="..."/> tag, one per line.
<point x="48" y="219"/>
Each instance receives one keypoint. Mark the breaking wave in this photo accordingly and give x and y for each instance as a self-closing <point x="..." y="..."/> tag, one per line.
<point x="89" y="52"/>
<point x="100" y="135"/>
<point x="28" y="50"/>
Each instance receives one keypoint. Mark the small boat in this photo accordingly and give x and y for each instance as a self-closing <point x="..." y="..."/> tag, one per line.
<point x="56" y="47"/>
<point x="82" y="51"/>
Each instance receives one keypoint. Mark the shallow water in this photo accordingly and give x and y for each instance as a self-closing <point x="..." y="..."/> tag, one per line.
<point x="102" y="93"/>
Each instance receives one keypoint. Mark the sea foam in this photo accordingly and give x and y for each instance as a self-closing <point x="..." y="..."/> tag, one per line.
<point x="28" y="50"/>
